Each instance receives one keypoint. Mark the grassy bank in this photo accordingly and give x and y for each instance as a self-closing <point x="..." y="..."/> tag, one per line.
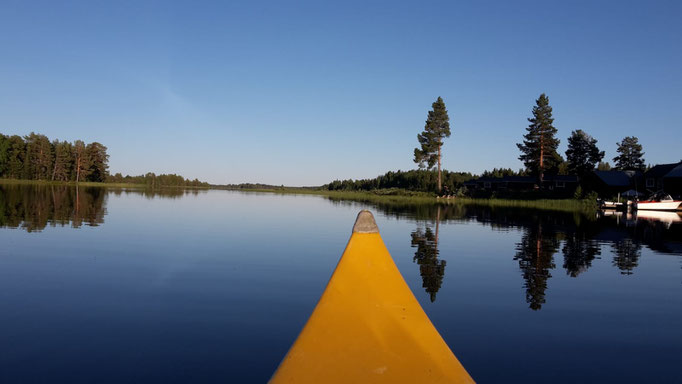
<point x="409" y="197"/>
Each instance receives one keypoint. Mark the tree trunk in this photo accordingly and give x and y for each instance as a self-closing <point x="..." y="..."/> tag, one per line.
<point x="542" y="156"/>
<point x="78" y="169"/>
<point x="439" y="177"/>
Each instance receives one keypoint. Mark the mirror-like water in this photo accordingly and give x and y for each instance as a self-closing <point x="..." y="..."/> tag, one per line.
<point x="115" y="286"/>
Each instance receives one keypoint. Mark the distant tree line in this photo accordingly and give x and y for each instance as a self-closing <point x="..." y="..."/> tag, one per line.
<point x="413" y="180"/>
<point x="35" y="157"/>
<point x="152" y="180"/>
<point x="503" y="172"/>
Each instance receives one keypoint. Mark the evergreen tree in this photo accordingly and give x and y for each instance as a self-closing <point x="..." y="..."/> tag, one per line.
<point x="539" y="147"/>
<point x="437" y="128"/>
<point x="4" y="154"/>
<point x="582" y="153"/>
<point x="38" y="165"/>
<point x="99" y="161"/>
<point x="630" y="155"/>
<point x="603" y="166"/>
<point x="63" y="161"/>
<point x="15" y="157"/>
<point x="81" y="161"/>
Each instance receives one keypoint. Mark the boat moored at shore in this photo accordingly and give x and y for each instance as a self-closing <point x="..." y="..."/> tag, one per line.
<point x="659" y="202"/>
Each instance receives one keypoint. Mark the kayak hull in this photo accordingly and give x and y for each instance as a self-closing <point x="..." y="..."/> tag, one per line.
<point x="368" y="327"/>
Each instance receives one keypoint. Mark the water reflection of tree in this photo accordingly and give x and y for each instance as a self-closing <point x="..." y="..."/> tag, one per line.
<point x="431" y="269"/>
<point x="34" y="207"/>
<point x="535" y="254"/>
<point x="626" y="255"/>
<point x="579" y="252"/>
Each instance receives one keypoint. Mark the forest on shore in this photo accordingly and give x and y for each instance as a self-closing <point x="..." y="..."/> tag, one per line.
<point x="35" y="157"/>
<point x="538" y="152"/>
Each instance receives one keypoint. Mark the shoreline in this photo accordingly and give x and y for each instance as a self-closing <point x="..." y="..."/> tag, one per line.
<point x="392" y="196"/>
<point x="91" y="184"/>
<point x="417" y="198"/>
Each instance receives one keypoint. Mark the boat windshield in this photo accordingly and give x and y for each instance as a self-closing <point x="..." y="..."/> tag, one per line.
<point x="660" y="196"/>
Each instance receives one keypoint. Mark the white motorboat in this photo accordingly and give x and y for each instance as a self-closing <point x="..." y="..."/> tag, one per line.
<point x="658" y="202"/>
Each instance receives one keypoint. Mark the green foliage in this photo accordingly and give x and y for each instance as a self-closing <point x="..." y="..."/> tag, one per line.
<point x="16" y="155"/>
<point x="563" y="168"/>
<point x="98" y="161"/>
<point x="63" y="161"/>
<point x="503" y="172"/>
<point x="539" y="147"/>
<point x="437" y="128"/>
<point x="592" y="197"/>
<point x="34" y="157"/>
<point x="38" y="159"/>
<point x="81" y="160"/>
<point x="578" y="193"/>
<point x="413" y="180"/>
<point x="152" y="180"/>
<point x="582" y="153"/>
<point x="4" y="154"/>
<point x="603" y="166"/>
<point x="630" y="155"/>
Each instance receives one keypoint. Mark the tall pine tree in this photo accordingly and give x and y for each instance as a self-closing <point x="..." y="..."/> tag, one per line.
<point x="99" y="161"/>
<point x="630" y="156"/>
<point x="63" y="161"/>
<point x="539" y="147"/>
<point x="437" y="128"/>
<point x="38" y="164"/>
<point x="4" y="154"/>
<point x="81" y="161"/>
<point x="582" y="153"/>
<point x="16" y="154"/>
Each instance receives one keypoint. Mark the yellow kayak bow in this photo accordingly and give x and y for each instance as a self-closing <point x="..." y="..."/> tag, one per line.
<point x="368" y="327"/>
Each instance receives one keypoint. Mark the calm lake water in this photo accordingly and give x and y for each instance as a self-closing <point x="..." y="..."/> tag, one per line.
<point x="113" y="286"/>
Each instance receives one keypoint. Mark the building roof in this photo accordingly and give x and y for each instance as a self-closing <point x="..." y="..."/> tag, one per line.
<point x="675" y="172"/>
<point x="615" y="178"/>
<point x="528" y="179"/>
<point x="661" y="170"/>
<point x="488" y="179"/>
<point x="519" y="179"/>
<point x="508" y="179"/>
<point x="564" y="178"/>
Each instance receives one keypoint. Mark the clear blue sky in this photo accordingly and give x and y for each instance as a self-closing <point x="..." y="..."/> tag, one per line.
<point x="301" y="93"/>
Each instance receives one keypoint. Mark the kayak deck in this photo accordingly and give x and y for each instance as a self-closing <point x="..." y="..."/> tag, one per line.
<point x="368" y="327"/>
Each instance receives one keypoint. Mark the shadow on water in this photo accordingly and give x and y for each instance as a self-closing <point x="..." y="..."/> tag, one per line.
<point x="34" y="207"/>
<point x="580" y="237"/>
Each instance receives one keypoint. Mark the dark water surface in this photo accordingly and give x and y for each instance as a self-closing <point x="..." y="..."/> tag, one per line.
<point x="112" y="286"/>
